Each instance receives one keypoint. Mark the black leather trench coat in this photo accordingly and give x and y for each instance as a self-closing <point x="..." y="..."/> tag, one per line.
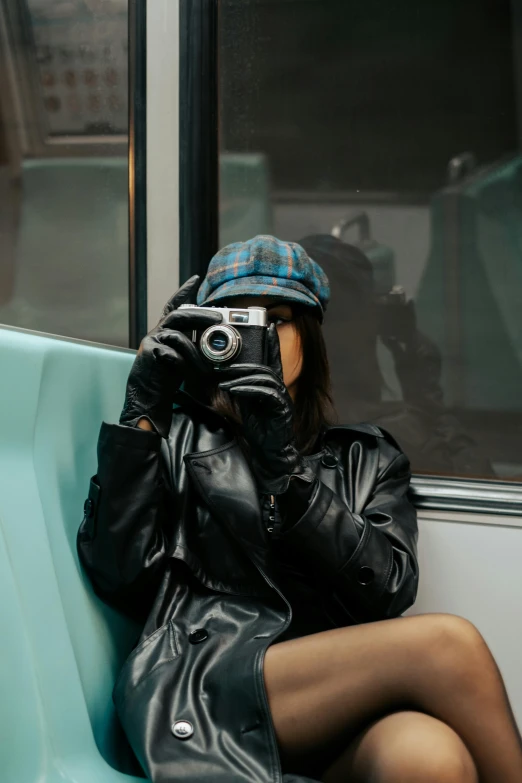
<point x="176" y="534"/>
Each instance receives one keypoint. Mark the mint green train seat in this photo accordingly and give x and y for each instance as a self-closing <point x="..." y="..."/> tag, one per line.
<point x="470" y="296"/>
<point x="71" y="250"/>
<point x="61" y="647"/>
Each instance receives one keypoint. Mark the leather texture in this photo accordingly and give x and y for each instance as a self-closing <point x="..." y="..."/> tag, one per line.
<point x="267" y="420"/>
<point x="176" y="537"/>
<point x="167" y="357"/>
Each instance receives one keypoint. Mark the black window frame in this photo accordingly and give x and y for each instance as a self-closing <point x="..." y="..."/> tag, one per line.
<point x="198" y="136"/>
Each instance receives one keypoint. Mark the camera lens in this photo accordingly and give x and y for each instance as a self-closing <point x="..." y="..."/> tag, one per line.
<point x="220" y="343"/>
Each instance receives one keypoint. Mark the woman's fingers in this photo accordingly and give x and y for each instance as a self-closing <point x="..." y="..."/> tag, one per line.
<point x="164" y="353"/>
<point x="260" y="379"/>
<point x="267" y="394"/>
<point x="273" y="351"/>
<point x="183" y="295"/>
<point x="264" y="395"/>
<point x="185" y="320"/>
<point x="234" y="371"/>
<point x="182" y="347"/>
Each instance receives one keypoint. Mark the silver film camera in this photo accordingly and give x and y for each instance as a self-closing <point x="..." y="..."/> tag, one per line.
<point x="240" y="337"/>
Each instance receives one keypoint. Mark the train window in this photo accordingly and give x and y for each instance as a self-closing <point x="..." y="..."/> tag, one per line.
<point x="63" y="168"/>
<point x="386" y="138"/>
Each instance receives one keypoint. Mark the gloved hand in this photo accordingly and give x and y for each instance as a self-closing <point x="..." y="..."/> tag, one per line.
<point x="418" y="366"/>
<point x="266" y="411"/>
<point x="165" y="359"/>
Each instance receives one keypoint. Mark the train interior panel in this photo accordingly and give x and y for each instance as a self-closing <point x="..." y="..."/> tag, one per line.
<point x="385" y="138"/>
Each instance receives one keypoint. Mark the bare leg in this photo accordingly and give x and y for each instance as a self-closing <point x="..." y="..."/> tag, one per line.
<point x="324" y="689"/>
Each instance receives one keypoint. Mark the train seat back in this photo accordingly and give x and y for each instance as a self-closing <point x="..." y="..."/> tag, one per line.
<point x="470" y="296"/>
<point x="61" y="647"/>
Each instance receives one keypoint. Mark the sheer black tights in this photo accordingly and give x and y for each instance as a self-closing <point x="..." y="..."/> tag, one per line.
<point x="415" y="699"/>
<point x="405" y="747"/>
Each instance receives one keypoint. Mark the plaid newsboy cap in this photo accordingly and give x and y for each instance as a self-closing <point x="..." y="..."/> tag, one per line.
<point x="265" y="266"/>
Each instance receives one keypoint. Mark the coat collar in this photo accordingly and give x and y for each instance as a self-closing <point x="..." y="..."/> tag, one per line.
<point x="225" y="481"/>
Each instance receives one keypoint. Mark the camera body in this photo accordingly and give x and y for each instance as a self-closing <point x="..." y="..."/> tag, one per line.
<point x="240" y="337"/>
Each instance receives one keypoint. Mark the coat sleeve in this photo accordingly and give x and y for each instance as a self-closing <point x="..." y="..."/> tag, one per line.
<point x="368" y="559"/>
<point x="121" y="541"/>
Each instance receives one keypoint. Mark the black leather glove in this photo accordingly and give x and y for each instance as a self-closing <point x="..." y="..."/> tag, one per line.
<point x="166" y="358"/>
<point x="266" y="411"/>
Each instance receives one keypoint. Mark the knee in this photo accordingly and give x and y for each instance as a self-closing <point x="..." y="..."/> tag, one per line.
<point x="440" y="762"/>
<point x="421" y="748"/>
<point x="456" y="646"/>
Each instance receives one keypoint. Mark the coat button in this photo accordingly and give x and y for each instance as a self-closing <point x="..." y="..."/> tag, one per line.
<point x="197" y="636"/>
<point x="365" y="575"/>
<point x="329" y="461"/>
<point x="182" y="729"/>
<point x="88" y="508"/>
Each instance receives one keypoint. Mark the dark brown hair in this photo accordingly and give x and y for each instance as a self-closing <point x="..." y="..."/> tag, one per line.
<point x="313" y="406"/>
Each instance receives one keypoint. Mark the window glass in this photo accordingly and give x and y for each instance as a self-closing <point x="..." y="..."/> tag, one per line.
<point x="64" y="168"/>
<point x="385" y="137"/>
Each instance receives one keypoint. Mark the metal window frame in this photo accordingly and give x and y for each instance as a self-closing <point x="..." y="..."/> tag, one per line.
<point x="198" y="136"/>
<point x="162" y="155"/>
<point x="137" y="171"/>
<point x="484" y="496"/>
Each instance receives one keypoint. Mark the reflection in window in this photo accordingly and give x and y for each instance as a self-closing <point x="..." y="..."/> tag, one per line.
<point x="387" y="144"/>
<point x="64" y="170"/>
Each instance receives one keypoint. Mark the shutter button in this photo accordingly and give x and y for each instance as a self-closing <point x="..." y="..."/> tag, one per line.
<point x="197" y="636"/>
<point x="329" y="461"/>
<point x="365" y="575"/>
<point x="182" y="729"/>
<point x="88" y="507"/>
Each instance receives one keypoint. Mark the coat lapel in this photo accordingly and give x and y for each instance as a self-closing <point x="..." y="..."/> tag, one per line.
<point x="224" y="480"/>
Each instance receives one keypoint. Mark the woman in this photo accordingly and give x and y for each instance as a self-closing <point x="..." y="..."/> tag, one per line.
<point x="267" y="552"/>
